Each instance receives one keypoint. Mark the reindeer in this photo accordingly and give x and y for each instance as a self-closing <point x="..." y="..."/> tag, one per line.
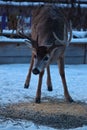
<point x="48" y="41"/>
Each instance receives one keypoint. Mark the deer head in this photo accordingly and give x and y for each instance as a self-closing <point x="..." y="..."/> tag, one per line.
<point x="43" y="55"/>
<point x="42" y="33"/>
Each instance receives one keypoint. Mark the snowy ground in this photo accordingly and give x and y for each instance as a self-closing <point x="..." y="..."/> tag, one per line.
<point x="12" y="90"/>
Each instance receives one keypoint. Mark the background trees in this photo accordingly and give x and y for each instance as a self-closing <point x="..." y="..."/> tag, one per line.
<point x="73" y="10"/>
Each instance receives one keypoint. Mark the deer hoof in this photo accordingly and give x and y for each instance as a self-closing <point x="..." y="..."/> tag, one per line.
<point x="37" y="100"/>
<point x="69" y="100"/>
<point x="50" y="88"/>
<point x="26" y="86"/>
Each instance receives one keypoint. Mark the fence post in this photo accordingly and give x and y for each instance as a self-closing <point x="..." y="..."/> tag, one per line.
<point x="3" y="22"/>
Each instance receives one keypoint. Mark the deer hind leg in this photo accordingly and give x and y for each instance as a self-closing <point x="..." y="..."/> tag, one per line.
<point x="62" y="74"/>
<point x="27" y="81"/>
<point x="38" y="93"/>
<point x="49" y="83"/>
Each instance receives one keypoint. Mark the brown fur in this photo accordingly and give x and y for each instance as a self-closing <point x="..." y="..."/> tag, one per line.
<point x="45" y="20"/>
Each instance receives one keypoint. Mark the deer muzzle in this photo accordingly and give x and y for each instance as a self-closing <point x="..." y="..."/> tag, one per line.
<point x="35" y="71"/>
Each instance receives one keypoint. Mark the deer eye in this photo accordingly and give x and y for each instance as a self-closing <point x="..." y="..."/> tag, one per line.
<point x="35" y="56"/>
<point x="46" y="58"/>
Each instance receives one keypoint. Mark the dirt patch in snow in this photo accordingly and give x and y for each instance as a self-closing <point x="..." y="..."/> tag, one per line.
<point x="54" y="113"/>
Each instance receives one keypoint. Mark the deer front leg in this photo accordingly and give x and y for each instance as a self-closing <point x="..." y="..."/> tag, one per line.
<point x="26" y="85"/>
<point x="62" y="74"/>
<point x="38" y="93"/>
<point x="49" y="83"/>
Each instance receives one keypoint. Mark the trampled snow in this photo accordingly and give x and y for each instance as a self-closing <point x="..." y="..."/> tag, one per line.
<point x="25" y="125"/>
<point x="12" y="78"/>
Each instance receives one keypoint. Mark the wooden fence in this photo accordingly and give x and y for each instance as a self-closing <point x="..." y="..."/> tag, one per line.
<point x="18" y="52"/>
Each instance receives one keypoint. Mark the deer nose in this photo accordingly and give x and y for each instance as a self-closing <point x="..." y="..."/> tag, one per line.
<point x="35" y="71"/>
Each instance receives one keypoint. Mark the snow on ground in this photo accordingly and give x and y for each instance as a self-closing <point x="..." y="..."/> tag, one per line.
<point x="12" y="78"/>
<point x="25" y="125"/>
<point x="21" y="125"/>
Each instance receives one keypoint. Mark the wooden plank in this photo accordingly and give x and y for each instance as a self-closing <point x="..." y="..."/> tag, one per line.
<point x="12" y="52"/>
<point x="74" y="51"/>
<point x="74" y="60"/>
<point x="86" y="55"/>
<point x="14" y="59"/>
<point x="15" y="50"/>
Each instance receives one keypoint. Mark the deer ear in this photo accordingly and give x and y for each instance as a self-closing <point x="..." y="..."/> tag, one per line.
<point x="28" y="43"/>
